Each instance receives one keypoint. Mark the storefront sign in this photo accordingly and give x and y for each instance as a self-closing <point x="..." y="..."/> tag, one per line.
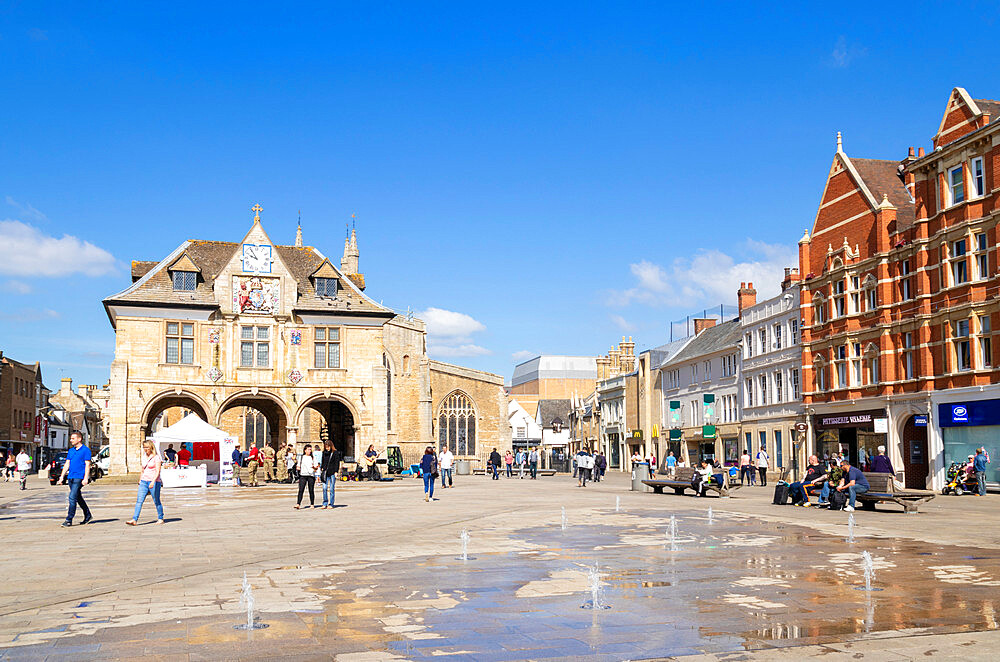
<point x="859" y="419"/>
<point x="975" y="412"/>
<point x="920" y="421"/>
<point x="708" y="431"/>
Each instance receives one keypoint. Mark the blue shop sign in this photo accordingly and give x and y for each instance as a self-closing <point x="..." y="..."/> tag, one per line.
<point x="920" y="421"/>
<point x="976" y="412"/>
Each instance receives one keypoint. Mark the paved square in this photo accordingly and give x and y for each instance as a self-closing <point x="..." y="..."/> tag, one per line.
<point x="379" y="577"/>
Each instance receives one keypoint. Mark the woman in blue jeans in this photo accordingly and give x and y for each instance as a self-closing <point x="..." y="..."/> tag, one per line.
<point x="429" y="472"/>
<point x="149" y="483"/>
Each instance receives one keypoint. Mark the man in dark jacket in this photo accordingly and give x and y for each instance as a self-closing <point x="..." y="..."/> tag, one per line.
<point x="495" y="461"/>
<point x="329" y="467"/>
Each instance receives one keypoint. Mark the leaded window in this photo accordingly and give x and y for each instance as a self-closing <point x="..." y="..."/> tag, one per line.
<point x="180" y="342"/>
<point x="457" y="425"/>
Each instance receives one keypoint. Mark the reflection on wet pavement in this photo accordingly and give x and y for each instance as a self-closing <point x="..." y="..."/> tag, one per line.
<point x="733" y="585"/>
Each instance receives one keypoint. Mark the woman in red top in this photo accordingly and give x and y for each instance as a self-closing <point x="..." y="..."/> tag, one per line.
<point x="183" y="456"/>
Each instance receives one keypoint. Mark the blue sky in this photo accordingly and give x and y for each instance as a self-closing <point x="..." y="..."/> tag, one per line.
<point x="535" y="177"/>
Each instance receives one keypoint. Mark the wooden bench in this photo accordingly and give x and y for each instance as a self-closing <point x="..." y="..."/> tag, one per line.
<point x="882" y="488"/>
<point x="681" y="480"/>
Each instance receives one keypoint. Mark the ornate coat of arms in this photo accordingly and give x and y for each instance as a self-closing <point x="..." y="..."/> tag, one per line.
<point x="254" y="294"/>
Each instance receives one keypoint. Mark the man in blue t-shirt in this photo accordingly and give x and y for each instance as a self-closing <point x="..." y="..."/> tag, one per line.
<point x="854" y="482"/>
<point x="76" y="471"/>
<point x="671" y="463"/>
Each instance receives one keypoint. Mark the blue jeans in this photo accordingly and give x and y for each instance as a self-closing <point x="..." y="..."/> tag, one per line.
<point x="445" y="473"/>
<point x="145" y="488"/>
<point x="428" y="485"/>
<point x="76" y="497"/>
<point x="853" y="491"/>
<point x="981" y="478"/>
<point x="330" y="482"/>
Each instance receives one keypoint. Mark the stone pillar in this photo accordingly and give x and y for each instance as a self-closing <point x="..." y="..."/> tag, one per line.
<point x="118" y="413"/>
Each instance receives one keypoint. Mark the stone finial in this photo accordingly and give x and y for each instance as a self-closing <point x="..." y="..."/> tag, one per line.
<point x="840" y="144"/>
<point x="805" y="238"/>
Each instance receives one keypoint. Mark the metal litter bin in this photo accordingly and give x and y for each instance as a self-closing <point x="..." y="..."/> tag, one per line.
<point x="463" y="467"/>
<point x="640" y="472"/>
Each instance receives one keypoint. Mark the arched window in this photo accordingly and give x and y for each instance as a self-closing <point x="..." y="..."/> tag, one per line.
<point x="406" y="364"/>
<point x="388" y="391"/>
<point x="457" y="425"/>
<point x="819" y="369"/>
<point x="872" y="361"/>
<point x="871" y="294"/>
<point x="819" y="307"/>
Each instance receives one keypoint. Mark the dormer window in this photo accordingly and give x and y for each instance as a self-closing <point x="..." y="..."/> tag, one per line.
<point x="184" y="274"/>
<point x="326" y="287"/>
<point x="185" y="281"/>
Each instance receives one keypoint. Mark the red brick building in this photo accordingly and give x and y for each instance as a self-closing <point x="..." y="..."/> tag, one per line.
<point x="899" y="301"/>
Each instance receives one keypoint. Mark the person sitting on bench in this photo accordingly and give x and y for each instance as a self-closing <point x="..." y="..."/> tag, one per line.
<point x="815" y="475"/>
<point x="703" y="477"/>
<point x="854" y="482"/>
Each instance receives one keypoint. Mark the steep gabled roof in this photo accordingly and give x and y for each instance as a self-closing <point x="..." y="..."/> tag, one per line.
<point x="154" y="285"/>
<point x="550" y="410"/>
<point x="880" y="178"/>
<point x="709" y="341"/>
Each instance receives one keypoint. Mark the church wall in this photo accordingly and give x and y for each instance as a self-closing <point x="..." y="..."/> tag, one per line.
<point x="489" y="398"/>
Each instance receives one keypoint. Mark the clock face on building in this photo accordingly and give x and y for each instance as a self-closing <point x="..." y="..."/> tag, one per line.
<point x="256" y="259"/>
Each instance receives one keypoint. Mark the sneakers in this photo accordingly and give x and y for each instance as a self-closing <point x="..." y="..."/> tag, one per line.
<point x="67" y="524"/>
<point x="849" y="509"/>
<point x="805" y="504"/>
<point x="87" y="520"/>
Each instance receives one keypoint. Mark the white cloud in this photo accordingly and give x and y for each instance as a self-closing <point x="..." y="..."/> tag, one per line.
<point x="449" y="324"/>
<point x="708" y="278"/>
<point x="26" y="251"/>
<point x="29" y="315"/>
<point x="16" y="287"/>
<point x="26" y="210"/>
<point x="843" y="53"/>
<point x="466" y="349"/>
<point x="449" y="333"/>
<point x="621" y="322"/>
<point x="523" y="355"/>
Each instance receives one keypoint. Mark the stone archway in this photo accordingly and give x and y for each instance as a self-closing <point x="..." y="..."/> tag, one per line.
<point x="162" y="402"/>
<point x="255" y="418"/>
<point x="323" y="418"/>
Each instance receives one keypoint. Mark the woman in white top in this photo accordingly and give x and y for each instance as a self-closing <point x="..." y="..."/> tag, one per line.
<point x="762" y="460"/>
<point x="290" y="463"/>
<point x="307" y="476"/>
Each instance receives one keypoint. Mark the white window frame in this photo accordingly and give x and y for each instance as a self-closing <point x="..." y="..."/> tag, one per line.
<point x="952" y="186"/>
<point x="778" y="390"/>
<point x="985" y="342"/>
<point x="982" y="259"/>
<point x="793" y="382"/>
<point x="959" y="261"/>
<point x="255" y="341"/>
<point x="962" y="344"/>
<point x="978" y="180"/>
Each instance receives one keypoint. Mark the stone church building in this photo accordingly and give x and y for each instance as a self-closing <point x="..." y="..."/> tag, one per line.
<point x="278" y="344"/>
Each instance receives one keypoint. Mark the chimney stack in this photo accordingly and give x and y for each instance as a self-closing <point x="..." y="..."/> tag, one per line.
<point x="920" y="153"/>
<point x="791" y="276"/>
<point x="746" y="296"/>
<point x="702" y="323"/>
<point x="66" y="385"/>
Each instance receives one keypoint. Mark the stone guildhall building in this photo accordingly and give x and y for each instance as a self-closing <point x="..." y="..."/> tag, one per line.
<point x="276" y="343"/>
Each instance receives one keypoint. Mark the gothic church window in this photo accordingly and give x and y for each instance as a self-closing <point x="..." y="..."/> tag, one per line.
<point x="457" y="425"/>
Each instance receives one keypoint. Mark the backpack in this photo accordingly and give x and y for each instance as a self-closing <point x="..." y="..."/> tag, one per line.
<point x="838" y="500"/>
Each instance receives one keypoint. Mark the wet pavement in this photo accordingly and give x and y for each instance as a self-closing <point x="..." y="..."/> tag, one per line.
<point x="335" y="586"/>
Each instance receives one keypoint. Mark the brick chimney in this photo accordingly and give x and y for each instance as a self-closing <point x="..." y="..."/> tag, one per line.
<point x="791" y="276"/>
<point x="746" y="296"/>
<point x="702" y="323"/>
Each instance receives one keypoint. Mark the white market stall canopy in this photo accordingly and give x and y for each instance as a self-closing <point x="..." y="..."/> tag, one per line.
<point x="195" y="432"/>
<point x="189" y="429"/>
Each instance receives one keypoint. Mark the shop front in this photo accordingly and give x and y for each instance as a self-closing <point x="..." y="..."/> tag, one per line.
<point x="968" y="425"/>
<point x="855" y="434"/>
